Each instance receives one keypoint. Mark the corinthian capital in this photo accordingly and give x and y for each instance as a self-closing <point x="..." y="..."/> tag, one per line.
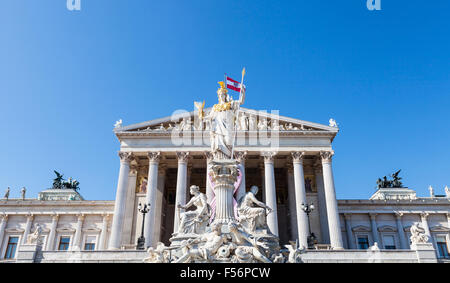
<point x="326" y="156"/>
<point x="297" y="156"/>
<point x="209" y="155"/>
<point x="268" y="155"/>
<point x="154" y="156"/>
<point x="240" y="155"/>
<point x="183" y="156"/>
<point x="126" y="157"/>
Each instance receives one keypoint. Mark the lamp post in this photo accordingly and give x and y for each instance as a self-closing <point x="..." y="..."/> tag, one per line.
<point x="308" y="208"/>
<point x="141" y="240"/>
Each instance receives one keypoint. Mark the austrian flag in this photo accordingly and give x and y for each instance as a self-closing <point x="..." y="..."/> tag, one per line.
<point x="234" y="85"/>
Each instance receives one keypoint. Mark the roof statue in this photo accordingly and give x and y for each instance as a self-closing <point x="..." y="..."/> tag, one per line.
<point x="394" y="183"/>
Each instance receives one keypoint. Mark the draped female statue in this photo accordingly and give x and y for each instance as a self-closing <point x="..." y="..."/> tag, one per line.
<point x="197" y="220"/>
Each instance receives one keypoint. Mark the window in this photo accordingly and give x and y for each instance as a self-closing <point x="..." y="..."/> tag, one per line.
<point x="389" y="242"/>
<point x="89" y="244"/>
<point x="11" y="247"/>
<point x="64" y="243"/>
<point x="363" y="242"/>
<point x="441" y="243"/>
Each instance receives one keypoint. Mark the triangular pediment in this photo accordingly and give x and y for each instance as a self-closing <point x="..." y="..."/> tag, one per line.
<point x="248" y="120"/>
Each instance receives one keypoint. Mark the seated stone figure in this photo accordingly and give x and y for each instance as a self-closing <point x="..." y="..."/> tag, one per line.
<point x="252" y="217"/>
<point x="417" y="234"/>
<point x="194" y="222"/>
<point x="204" y="247"/>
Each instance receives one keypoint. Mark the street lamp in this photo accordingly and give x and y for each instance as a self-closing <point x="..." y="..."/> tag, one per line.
<point x="141" y="240"/>
<point x="308" y="208"/>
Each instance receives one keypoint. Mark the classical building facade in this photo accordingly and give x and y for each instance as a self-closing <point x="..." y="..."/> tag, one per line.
<point x="290" y="160"/>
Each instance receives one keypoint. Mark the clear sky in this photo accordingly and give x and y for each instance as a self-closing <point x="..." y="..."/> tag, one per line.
<point x="67" y="76"/>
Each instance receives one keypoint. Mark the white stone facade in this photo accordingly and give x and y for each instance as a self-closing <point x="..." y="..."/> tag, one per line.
<point x="154" y="170"/>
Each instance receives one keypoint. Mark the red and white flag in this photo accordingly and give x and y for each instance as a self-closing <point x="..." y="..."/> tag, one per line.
<point x="234" y="85"/>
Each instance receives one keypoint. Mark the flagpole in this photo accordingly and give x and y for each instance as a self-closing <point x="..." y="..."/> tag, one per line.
<point x="237" y="112"/>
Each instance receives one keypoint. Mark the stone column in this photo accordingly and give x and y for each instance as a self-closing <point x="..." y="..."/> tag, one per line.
<point x="180" y="197"/>
<point x="322" y="204"/>
<point x="270" y="189"/>
<point x="334" y="225"/>
<point x="373" y="224"/>
<point x="159" y="203"/>
<point x="51" y="236"/>
<point x="426" y="227"/>
<point x="103" y="233"/>
<point x="76" y="246"/>
<point x="401" y="232"/>
<point x="348" y="228"/>
<point x="209" y="190"/>
<point x="240" y="157"/>
<point x="152" y="188"/>
<point x="3" y="227"/>
<point x="263" y="181"/>
<point x="127" y="229"/>
<point x="300" y="198"/>
<point x="291" y="199"/>
<point x="121" y="195"/>
<point x="27" y="228"/>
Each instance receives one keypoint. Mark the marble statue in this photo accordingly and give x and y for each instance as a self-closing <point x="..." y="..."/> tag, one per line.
<point x="430" y="188"/>
<point x="6" y="196"/>
<point x="194" y="221"/>
<point x="35" y="237"/>
<point x="158" y="255"/>
<point x="417" y="234"/>
<point x="222" y="119"/>
<point x="447" y="192"/>
<point x="375" y="247"/>
<point x="252" y="123"/>
<point x="118" y="124"/>
<point x="294" y="252"/>
<point x="332" y="123"/>
<point x="22" y="193"/>
<point x="250" y="216"/>
<point x="204" y="247"/>
<point x="247" y="247"/>
<point x="243" y="126"/>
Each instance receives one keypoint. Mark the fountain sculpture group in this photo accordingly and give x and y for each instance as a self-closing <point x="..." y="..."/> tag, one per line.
<point x="226" y="229"/>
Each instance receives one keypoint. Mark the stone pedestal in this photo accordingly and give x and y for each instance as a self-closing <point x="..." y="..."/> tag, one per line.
<point x="224" y="175"/>
<point x="425" y="252"/>
<point x="27" y="253"/>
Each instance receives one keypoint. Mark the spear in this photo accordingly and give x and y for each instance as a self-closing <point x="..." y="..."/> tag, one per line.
<point x="237" y="111"/>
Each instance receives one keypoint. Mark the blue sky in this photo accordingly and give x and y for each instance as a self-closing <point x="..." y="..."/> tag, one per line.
<point x="67" y="76"/>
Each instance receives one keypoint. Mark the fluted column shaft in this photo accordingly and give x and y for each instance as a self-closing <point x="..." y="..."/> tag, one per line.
<point x="76" y="246"/>
<point x="159" y="204"/>
<point x="321" y="200"/>
<point x="373" y="223"/>
<point x="334" y="225"/>
<point x="121" y="195"/>
<point x="103" y="233"/>
<point x="300" y="198"/>
<point x="348" y="228"/>
<point x="240" y="157"/>
<point x="27" y="228"/>
<point x="51" y="236"/>
<point x="401" y="232"/>
<point x="152" y="184"/>
<point x="2" y="228"/>
<point x="180" y="197"/>
<point x="270" y="189"/>
<point x="292" y="203"/>
<point x="209" y="189"/>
